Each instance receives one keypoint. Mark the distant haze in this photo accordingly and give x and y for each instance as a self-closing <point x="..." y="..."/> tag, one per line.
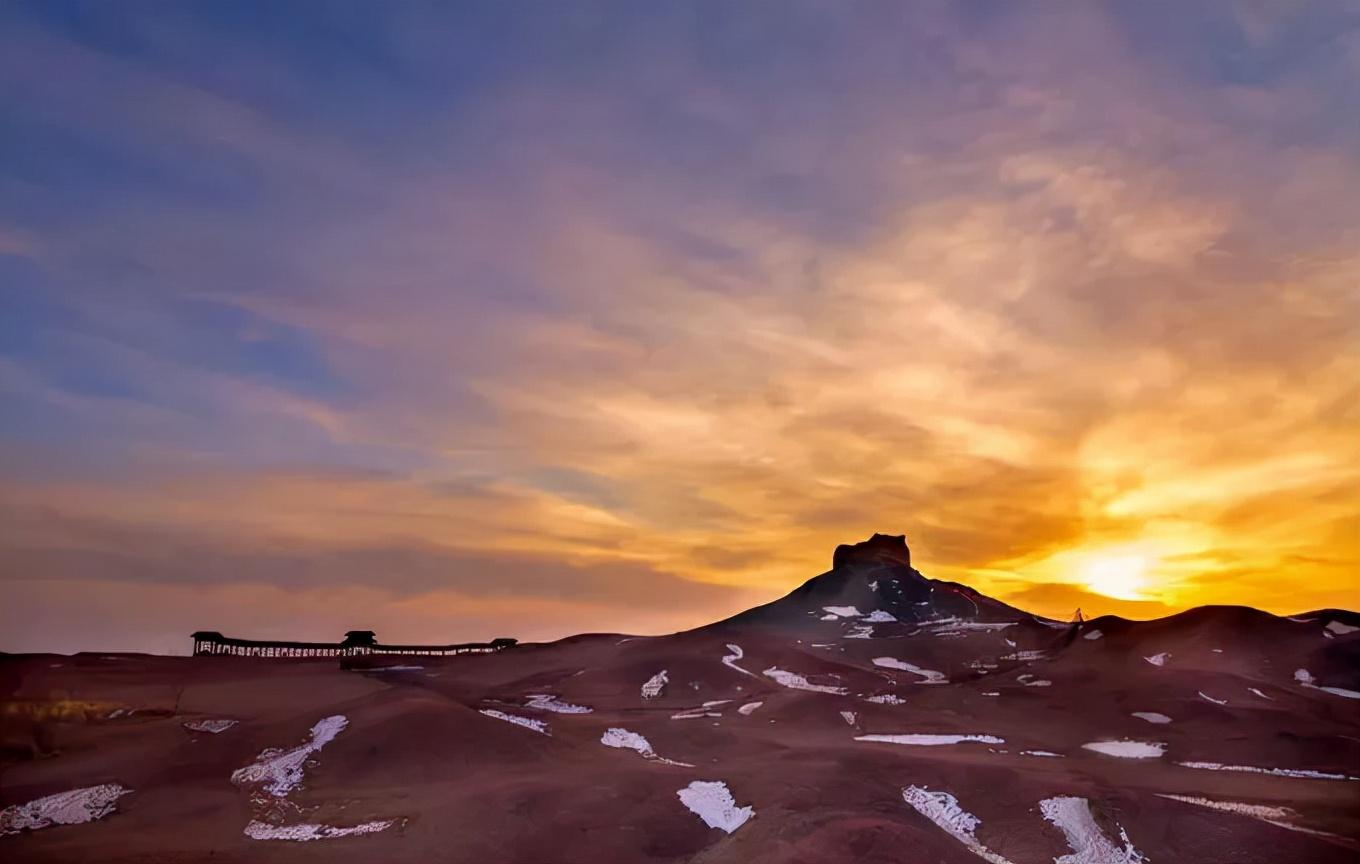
<point x="491" y="320"/>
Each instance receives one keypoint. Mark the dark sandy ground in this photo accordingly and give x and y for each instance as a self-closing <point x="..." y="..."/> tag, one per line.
<point x="435" y="779"/>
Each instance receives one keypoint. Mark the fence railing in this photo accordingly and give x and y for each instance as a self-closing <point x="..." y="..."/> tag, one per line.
<point x="211" y="643"/>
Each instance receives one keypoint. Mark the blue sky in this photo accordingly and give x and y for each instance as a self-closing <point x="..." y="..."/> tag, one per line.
<point x="650" y="305"/>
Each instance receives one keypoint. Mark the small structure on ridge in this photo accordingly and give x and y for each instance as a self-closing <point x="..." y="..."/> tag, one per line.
<point x="356" y="643"/>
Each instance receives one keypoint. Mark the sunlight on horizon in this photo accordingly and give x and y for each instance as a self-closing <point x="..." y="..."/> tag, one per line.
<point x="1120" y="577"/>
<point x="634" y="334"/>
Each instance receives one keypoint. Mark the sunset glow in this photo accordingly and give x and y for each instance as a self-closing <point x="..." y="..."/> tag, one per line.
<point x="1121" y="577"/>
<point x="407" y="328"/>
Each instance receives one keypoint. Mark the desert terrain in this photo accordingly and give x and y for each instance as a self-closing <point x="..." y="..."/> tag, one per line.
<point x="872" y="715"/>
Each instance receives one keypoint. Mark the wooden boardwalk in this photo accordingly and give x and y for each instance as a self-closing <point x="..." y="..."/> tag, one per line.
<point x="357" y="643"/>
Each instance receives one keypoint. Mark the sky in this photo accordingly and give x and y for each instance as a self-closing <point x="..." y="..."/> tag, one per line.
<point x="527" y="319"/>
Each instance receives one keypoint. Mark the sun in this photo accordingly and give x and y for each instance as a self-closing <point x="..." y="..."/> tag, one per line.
<point x="1119" y="576"/>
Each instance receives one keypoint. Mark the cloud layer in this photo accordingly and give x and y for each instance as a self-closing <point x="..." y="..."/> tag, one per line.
<point x="474" y="324"/>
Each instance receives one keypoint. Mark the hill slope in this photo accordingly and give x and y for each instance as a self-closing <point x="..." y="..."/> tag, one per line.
<point x="872" y="714"/>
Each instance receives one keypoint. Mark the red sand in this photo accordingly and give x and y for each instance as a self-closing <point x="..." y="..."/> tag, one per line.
<point x="462" y="786"/>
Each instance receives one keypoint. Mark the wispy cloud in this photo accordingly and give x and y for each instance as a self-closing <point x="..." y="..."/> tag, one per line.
<point x="647" y="311"/>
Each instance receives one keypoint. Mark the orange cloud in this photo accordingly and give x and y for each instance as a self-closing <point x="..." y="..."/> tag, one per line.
<point x="635" y="371"/>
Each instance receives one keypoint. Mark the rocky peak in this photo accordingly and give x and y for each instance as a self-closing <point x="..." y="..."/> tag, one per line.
<point x="872" y="578"/>
<point x="877" y="550"/>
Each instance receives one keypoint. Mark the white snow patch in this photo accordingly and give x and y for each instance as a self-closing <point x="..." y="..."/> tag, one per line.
<point x="1209" y="698"/>
<point x="695" y="714"/>
<point x="1262" y="695"/>
<point x="622" y="738"/>
<point x="257" y="830"/>
<point x="929" y="676"/>
<point x="1026" y="656"/>
<point x="935" y="624"/>
<point x="1010" y="642"/>
<point x="398" y="669"/>
<point x="1158" y="659"/>
<point x="943" y="809"/>
<point x="526" y="722"/>
<point x="749" y="708"/>
<point x="1341" y="691"/>
<point x="1128" y="749"/>
<point x="1260" y="811"/>
<point x="1304" y="677"/>
<point x="794" y="681"/>
<point x="1341" y="629"/>
<point x="956" y="625"/>
<point x="873" y="586"/>
<point x="860" y="631"/>
<point x="730" y="660"/>
<point x="991" y="693"/>
<point x="655" y="685"/>
<point x="878" y="616"/>
<point x="712" y="802"/>
<point x="547" y="702"/>
<point x="830" y="618"/>
<point x="886" y="699"/>
<point x="1030" y="681"/>
<point x="1047" y="753"/>
<point x="1093" y="635"/>
<point x="1301" y="773"/>
<point x="942" y="622"/>
<point x="1152" y="716"/>
<point x="278" y="772"/>
<point x="921" y="739"/>
<point x="843" y="611"/>
<point x="1088" y="843"/>
<point x="848" y="717"/>
<point x="704" y="710"/>
<point x="1278" y="816"/>
<point x="64" y="808"/>
<point x="212" y="727"/>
